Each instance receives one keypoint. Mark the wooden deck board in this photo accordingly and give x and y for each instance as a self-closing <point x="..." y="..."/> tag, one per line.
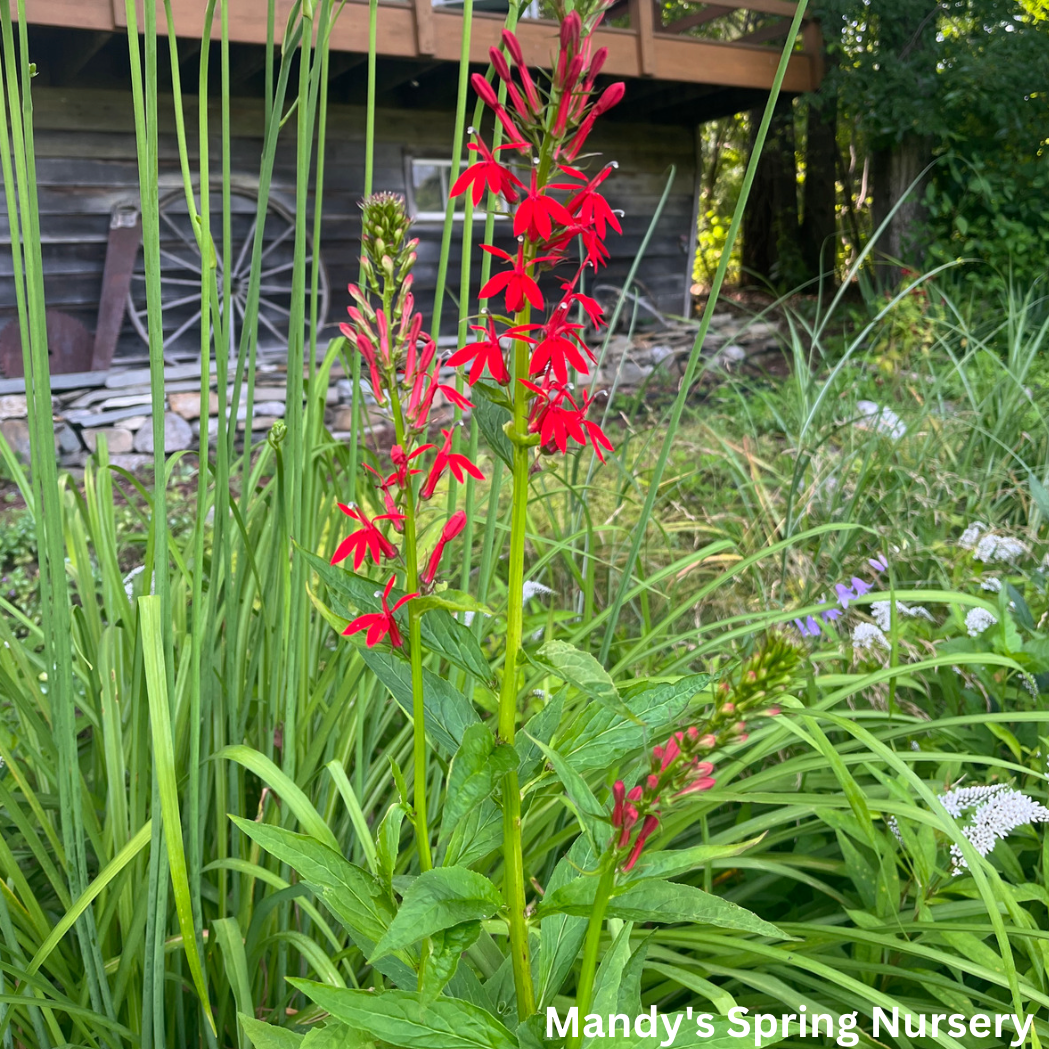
<point x="403" y="34"/>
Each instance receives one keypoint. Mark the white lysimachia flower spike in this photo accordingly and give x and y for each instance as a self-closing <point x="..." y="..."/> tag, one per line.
<point x="977" y="620"/>
<point x="883" y="616"/>
<point x="999" y="810"/>
<point x="991" y="583"/>
<point x="993" y="547"/>
<point x="867" y="635"/>
<point x="533" y="589"/>
<point x="971" y="536"/>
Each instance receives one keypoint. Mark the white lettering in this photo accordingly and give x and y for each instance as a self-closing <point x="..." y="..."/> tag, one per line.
<point x="671" y="1030"/>
<point x="1021" y="1033"/>
<point x="571" y="1022"/>
<point x="737" y="1015"/>
<point x="892" y="1026"/>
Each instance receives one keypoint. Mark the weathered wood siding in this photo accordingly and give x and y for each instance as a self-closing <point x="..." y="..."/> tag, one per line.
<point x="86" y="166"/>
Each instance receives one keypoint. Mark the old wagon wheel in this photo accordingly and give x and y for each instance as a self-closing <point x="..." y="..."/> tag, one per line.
<point x="180" y="273"/>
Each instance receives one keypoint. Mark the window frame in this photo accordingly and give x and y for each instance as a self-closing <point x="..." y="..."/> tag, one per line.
<point x="445" y="164"/>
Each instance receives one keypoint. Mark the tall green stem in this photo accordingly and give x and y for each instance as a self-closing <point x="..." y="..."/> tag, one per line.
<point x="591" y="947"/>
<point x="415" y="654"/>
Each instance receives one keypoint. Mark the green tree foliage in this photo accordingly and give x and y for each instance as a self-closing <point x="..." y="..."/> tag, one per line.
<point x="968" y="81"/>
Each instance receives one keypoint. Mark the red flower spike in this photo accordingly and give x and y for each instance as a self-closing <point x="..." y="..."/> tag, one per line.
<point x="670" y="753"/>
<point x="556" y="424"/>
<point x="456" y="523"/>
<point x="537" y="213"/>
<point x="487" y="173"/>
<point x="503" y="72"/>
<point x="630" y="816"/>
<point x="366" y="540"/>
<point x="635" y="795"/>
<point x="591" y="307"/>
<point x="517" y="285"/>
<point x="379" y="624"/>
<point x="650" y="824"/>
<point x="619" y="795"/>
<point x="596" y="65"/>
<point x="446" y="459"/>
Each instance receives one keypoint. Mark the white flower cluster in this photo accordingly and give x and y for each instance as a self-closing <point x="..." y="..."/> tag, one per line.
<point x="881" y="419"/>
<point x="977" y="620"/>
<point x="999" y="811"/>
<point x="991" y="583"/>
<point x="993" y="547"/>
<point x="969" y="538"/>
<point x="883" y="615"/>
<point x="867" y="635"/>
<point x="894" y="826"/>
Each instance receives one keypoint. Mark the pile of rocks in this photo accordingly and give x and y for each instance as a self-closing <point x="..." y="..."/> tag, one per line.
<point x="117" y="404"/>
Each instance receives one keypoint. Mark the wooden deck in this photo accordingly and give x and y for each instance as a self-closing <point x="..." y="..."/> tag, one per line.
<point x="417" y="30"/>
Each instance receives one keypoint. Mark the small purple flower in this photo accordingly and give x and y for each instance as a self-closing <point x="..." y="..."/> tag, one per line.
<point x="878" y="563"/>
<point x="844" y="594"/>
<point x="860" y="586"/>
<point x="808" y="628"/>
<point x="831" y="614"/>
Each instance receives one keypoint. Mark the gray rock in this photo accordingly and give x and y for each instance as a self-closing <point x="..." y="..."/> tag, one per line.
<point x="16" y="433"/>
<point x="66" y="440"/>
<point x="178" y="436"/>
<point x="132" y="463"/>
<point x="13" y="406"/>
<point x="118" y="440"/>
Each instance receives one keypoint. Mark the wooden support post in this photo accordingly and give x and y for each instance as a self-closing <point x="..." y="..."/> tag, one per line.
<point x="812" y="42"/>
<point x="125" y="233"/>
<point x="642" y="21"/>
<point x="425" y="38"/>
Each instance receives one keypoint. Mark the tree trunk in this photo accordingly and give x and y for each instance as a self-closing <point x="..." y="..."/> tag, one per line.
<point x="894" y="173"/>
<point x="819" y="245"/>
<point x="770" y="223"/>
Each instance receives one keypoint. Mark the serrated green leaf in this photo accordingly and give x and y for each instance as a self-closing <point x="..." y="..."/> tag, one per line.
<point x="591" y="814"/>
<point x="561" y="935"/>
<point x="582" y="671"/>
<point x="491" y="417"/>
<point x="448" y="712"/>
<point x="353" y="895"/>
<point x="666" y="902"/>
<point x="680" y="861"/>
<point x="476" y="768"/>
<point x="453" y="601"/>
<point x="266" y="1036"/>
<point x="439" y="899"/>
<point x="402" y="1018"/>
<point x="442" y="959"/>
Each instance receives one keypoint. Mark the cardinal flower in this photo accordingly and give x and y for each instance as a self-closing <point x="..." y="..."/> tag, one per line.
<point x="556" y="418"/>
<point x="589" y="206"/>
<point x="487" y="172"/>
<point x="487" y="352"/>
<point x="537" y="213"/>
<point x="446" y="459"/>
<point x="456" y="523"/>
<point x="516" y="283"/>
<point x="379" y="624"/>
<point x="559" y="347"/>
<point x="366" y="540"/>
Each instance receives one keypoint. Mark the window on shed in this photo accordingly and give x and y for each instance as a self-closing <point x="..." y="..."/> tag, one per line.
<point x="429" y="182"/>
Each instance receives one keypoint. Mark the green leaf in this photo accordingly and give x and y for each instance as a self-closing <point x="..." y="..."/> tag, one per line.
<point x="610" y="975"/>
<point x="353" y="895"/>
<point x="681" y="861"/>
<point x="592" y="816"/>
<point x="442" y="959"/>
<point x="666" y="902"/>
<point x="478" y="833"/>
<point x="448" y="712"/>
<point x="491" y="417"/>
<point x="441" y="633"/>
<point x="439" y="899"/>
<point x="266" y="1036"/>
<point x="335" y="1036"/>
<point x="452" y="601"/>
<point x="388" y="843"/>
<point x="598" y="737"/>
<point x="403" y="1019"/>
<point x="580" y="670"/>
<point x="561" y="935"/>
<point x="539" y="728"/>
<point x="476" y="768"/>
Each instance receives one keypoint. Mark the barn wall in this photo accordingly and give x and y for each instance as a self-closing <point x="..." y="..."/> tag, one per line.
<point x="86" y="165"/>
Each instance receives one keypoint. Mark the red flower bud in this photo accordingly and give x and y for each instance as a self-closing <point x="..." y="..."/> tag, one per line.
<point x="619" y="794"/>
<point x="611" y="96"/>
<point x="652" y="783"/>
<point x="484" y="91"/>
<point x="513" y="45"/>
<point x="596" y="64"/>
<point x="693" y="733"/>
<point x="697" y="786"/>
<point x="571" y="27"/>
<point x="728" y="708"/>
<point x="650" y="824"/>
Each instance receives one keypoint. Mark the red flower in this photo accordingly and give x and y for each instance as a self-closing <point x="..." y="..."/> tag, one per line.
<point x="487" y="353"/>
<point x="650" y="824"/>
<point x="487" y="172"/>
<point x="379" y="624"/>
<point x="559" y="347"/>
<point x="516" y="283"/>
<point x="555" y="423"/>
<point x="456" y="523"/>
<point x="363" y="344"/>
<point x="589" y="206"/>
<point x="446" y="459"/>
<point x="537" y="213"/>
<point x="591" y="307"/>
<point x="366" y="540"/>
